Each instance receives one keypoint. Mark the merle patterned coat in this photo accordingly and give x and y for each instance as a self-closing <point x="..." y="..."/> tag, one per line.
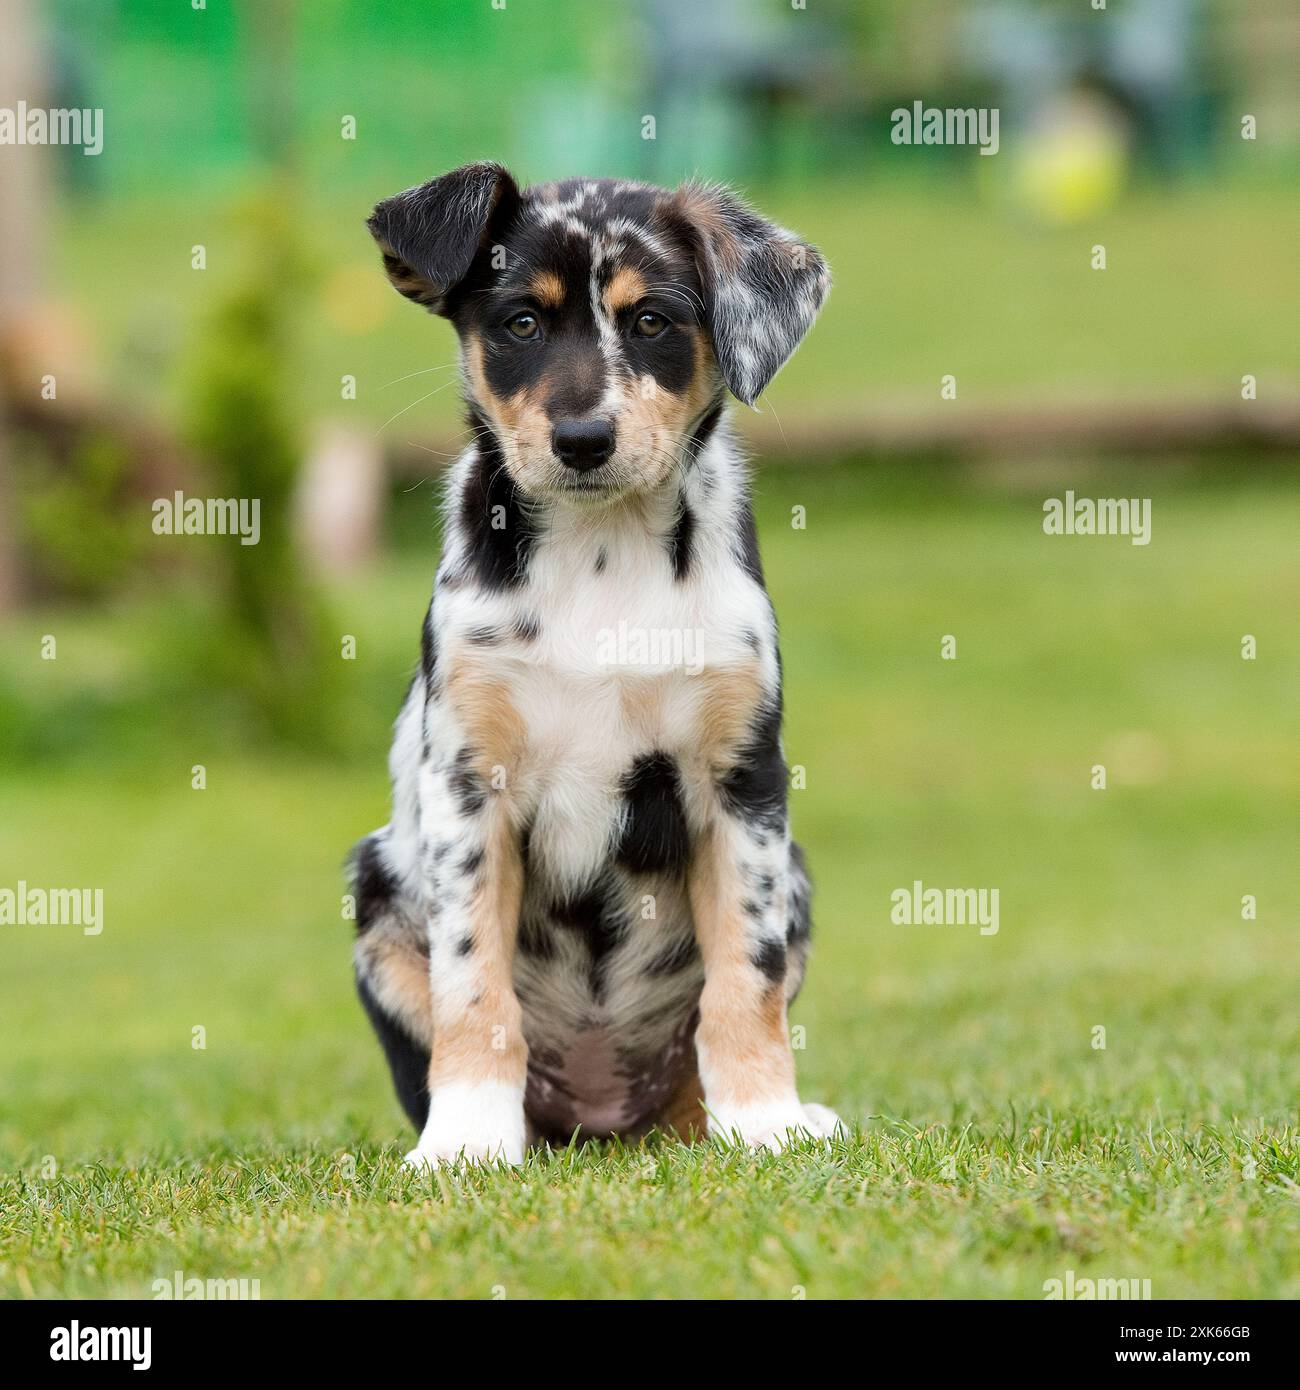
<point x="586" y="912"/>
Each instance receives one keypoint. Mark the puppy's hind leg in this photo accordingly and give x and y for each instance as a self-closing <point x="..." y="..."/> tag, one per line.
<point x="392" y="973"/>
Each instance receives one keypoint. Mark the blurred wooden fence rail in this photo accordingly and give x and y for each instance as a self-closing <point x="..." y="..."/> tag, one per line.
<point x="1144" y="429"/>
<point x="1140" y="428"/>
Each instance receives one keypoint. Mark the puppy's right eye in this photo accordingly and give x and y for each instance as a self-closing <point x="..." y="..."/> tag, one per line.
<point x="524" y="326"/>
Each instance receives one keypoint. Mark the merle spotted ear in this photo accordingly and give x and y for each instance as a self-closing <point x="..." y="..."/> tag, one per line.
<point x="430" y="235"/>
<point x="762" y="285"/>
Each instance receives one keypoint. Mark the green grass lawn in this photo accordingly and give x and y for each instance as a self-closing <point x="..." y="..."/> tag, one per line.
<point x="994" y="1146"/>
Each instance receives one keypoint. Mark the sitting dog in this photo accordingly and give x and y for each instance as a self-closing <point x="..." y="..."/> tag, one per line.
<point x="586" y="914"/>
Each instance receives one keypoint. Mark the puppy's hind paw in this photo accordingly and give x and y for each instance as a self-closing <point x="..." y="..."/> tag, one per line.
<point x="424" y="1157"/>
<point x="481" y="1123"/>
<point x="778" y="1128"/>
<point x="823" y="1122"/>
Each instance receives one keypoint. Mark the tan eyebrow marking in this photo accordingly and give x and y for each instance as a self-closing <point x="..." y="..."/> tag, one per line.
<point x="549" y="289"/>
<point x="625" y="288"/>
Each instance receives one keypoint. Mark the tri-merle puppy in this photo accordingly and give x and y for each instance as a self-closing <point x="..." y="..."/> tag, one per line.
<point x="586" y="913"/>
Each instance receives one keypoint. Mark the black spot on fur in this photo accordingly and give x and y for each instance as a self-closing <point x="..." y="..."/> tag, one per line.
<point x="799" y="928"/>
<point x="535" y="940"/>
<point x="654" y="836"/>
<point x="590" y="916"/>
<point x="428" y="651"/>
<point x="770" y="959"/>
<point x="408" y="1060"/>
<point x="581" y="911"/>
<point x="465" y="946"/>
<point x="472" y="862"/>
<point x="467" y="785"/>
<point x="679" y="542"/>
<point x="528" y="628"/>
<point x="747" y="543"/>
<point x="499" y="535"/>
<point x="681" y="955"/>
<point x="602" y="559"/>
<point x="484" y="636"/>
<point x="373" y="883"/>
<point x="703" y="432"/>
<point x="755" y="788"/>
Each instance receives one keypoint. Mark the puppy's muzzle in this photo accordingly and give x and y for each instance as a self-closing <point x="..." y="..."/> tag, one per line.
<point x="583" y="444"/>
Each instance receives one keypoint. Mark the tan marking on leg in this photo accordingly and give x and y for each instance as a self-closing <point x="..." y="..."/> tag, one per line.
<point x="729" y="700"/>
<point x="493" y="727"/>
<point x="743" y="1037"/>
<point x="398" y="973"/>
<point x="483" y="1040"/>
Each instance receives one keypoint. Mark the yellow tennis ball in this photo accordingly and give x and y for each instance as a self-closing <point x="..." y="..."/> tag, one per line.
<point x="1071" y="170"/>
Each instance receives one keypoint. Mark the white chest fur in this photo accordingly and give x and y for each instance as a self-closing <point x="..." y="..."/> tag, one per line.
<point x="606" y="655"/>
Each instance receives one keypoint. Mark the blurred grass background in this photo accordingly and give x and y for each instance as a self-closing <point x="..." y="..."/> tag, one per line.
<point x="999" y="1148"/>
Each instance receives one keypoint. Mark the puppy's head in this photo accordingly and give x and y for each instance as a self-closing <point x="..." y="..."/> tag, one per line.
<point x="600" y="322"/>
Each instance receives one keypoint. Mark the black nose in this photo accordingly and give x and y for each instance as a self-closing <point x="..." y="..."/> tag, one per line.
<point x="583" y="444"/>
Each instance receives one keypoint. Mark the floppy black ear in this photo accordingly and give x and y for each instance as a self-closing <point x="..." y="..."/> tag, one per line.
<point x="430" y="235"/>
<point x="762" y="285"/>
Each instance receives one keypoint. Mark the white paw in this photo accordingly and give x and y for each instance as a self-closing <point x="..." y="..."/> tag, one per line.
<point x="774" y="1126"/>
<point x="429" y="1154"/>
<point x="824" y="1122"/>
<point x="472" y="1123"/>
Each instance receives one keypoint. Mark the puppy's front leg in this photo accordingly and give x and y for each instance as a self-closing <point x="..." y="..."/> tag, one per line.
<point x="479" y="1059"/>
<point x="738" y="892"/>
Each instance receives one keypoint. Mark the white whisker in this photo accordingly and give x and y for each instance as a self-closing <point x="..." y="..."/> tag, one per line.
<point x="413" y="404"/>
<point x="424" y="371"/>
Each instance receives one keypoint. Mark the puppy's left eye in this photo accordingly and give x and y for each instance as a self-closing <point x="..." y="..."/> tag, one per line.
<point x="524" y="326"/>
<point x="649" y="325"/>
